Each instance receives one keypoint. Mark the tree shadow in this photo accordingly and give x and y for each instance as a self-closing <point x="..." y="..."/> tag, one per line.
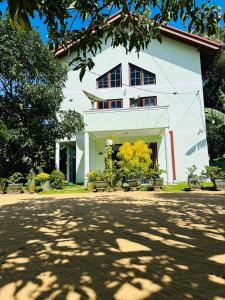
<point x="170" y="247"/>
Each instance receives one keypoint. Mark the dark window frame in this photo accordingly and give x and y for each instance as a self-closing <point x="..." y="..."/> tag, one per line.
<point x="109" y="103"/>
<point x="141" y="101"/>
<point x="109" y="75"/>
<point x="142" y="77"/>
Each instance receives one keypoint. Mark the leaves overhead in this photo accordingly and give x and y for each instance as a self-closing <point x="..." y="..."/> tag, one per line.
<point x="31" y="82"/>
<point x="133" y="31"/>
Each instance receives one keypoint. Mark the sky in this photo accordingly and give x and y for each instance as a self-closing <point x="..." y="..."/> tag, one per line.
<point x="41" y="27"/>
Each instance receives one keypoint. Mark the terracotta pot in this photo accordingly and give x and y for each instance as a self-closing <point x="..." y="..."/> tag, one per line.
<point x="101" y="185"/>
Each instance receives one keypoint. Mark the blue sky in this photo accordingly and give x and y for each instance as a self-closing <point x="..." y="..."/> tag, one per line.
<point x="41" y="27"/>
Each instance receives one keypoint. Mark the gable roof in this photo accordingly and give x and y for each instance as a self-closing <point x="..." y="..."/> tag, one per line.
<point x="207" y="47"/>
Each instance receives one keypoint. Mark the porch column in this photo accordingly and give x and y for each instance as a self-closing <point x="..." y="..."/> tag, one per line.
<point x="169" y="171"/>
<point x="86" y="155"/>
<point x="68" y="163"/>
<point x="57" y="155"/>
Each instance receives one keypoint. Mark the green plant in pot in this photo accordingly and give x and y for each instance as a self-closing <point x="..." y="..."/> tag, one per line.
<point x="14" y="183"/>
<point x="155" y="176"/>
<point x="31" y="181"/>
<point x="92" y="177"/>
<point x="135" y="160"/>
<point x="43" y="180"/>
<point x="216" y="175"/>
<point x="194" y="181"/>
<point x="101" y="182"/>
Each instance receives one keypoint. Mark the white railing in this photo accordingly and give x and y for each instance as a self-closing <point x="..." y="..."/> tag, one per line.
<point x="126" y="118"/>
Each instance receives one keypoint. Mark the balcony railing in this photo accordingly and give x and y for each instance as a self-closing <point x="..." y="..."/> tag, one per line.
<point x="126" y="118"/>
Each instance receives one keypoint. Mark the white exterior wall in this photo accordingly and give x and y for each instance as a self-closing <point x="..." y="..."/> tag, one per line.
<point x="177" y="68"/>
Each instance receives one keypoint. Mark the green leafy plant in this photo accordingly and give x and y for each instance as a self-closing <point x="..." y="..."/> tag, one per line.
<point x="95" y="176"/>
<point x="156" y="172"/>
<point x="15" y="177"/>
<point x="31" y="178"/>
<point x="214" y="174"/>
<point x="192" y="178"/>
<point x="57" y="179"/>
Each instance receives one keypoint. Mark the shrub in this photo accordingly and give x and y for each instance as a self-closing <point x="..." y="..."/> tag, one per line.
<point x="15" y="177"/>
<point x="156" y="172"/>
<point x="134" y="159"/>
<point x="57" y="179"/>
<point x="146" y="187"/>
<point x="42" y="177"/>
<point x="213" y="173"/>
<point x="38" y="189"/>
<point x="95" y="176"/>
<point x="192" y="177"/>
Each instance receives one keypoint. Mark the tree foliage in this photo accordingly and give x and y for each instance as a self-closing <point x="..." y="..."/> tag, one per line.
<point x="134" y="158"/>
<point x="134" y="30"/>
<point x="214" y="97"/>
<point x="31" y="82"/>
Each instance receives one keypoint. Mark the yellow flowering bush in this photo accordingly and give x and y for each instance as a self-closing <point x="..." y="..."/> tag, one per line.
<point x="135" y="159"/>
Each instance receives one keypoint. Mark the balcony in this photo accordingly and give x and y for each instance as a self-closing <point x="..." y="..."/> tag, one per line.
<point x="126" y="118"/>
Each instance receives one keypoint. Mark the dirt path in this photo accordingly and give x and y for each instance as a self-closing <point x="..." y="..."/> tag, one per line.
<point x="122" y="246"/>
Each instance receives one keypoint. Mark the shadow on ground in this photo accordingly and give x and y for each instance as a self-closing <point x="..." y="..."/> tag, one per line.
<point x="170" y="247"/>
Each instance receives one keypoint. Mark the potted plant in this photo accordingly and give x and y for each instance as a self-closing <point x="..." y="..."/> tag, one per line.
<point x="155" y="178"/>
<point x="193" y="180"/>
<point x="100" y="181"/>
<point x="31" y="184"/>
<point x="14" y="184"/>
<point x="216" y="175"/>
<point x="92" y="177"/>
<point x="43" y="179"/>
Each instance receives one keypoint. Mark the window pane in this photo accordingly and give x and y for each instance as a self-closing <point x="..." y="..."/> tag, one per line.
<point x="119" y="104"/>
<point x="103" y="81"/>
<point x="115" y="77"/>
<point x="150" y="101"/>
<point x="135" y="75"/>
<point x="105" y="104"/>
<point x="149" y="78"/>
<point x="113" y="104"/>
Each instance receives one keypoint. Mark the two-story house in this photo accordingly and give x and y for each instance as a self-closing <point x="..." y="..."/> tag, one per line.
<point x="156" y="96"/>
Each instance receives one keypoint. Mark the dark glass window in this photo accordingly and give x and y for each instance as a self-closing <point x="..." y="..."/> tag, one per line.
<point x="113" y="78"/>
<point x="148" y="101"/>
<point x="139" y="76"/>
<point x="118" y="103"/>
<point x="103" y="81"/>
<point x="103" y="105"/>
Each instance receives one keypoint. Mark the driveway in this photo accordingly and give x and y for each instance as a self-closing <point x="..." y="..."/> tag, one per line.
<point x="122" y="246"/>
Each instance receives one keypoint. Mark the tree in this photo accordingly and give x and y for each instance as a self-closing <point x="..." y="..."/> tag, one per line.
<point x="133" y="31"/>
<point x="134" y="159"/>
<point x="31" y="82"/>
<point x="214" y="97"/>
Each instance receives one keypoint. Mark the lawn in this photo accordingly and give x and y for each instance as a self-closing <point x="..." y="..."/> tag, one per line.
<point x="69" y="189"/>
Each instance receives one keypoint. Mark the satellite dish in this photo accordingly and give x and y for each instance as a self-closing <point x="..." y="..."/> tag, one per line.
<point x="93" y="98"/>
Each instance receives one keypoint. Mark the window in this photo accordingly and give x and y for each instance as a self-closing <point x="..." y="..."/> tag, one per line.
<point x="139" y="76"/>
<point x="140" y="102"/>
<point x="113" y="78"/>
<point x="117" y="103"/>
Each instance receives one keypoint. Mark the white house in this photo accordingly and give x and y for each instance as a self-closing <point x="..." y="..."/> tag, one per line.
<point x="156" y="97"/>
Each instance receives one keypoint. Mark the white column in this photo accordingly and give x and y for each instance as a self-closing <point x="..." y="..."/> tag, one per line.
<point x="57" y="155"/>
<point x="169" y="170"/>
<point x="68" y="163"/>
<point x="86" y="155"/>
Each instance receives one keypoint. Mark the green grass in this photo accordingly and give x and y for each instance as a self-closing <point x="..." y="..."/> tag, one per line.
<point x="70" y="189"/>
<point x="181" y="186"/>
<point x="178" y="187"/>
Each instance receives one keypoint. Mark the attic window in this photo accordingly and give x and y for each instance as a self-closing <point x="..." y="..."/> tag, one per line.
<point x="139" y="76"/>
<point x="112" y="78"/>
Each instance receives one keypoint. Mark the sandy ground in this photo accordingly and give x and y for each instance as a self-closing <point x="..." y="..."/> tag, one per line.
<point x="122" y="246"/>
